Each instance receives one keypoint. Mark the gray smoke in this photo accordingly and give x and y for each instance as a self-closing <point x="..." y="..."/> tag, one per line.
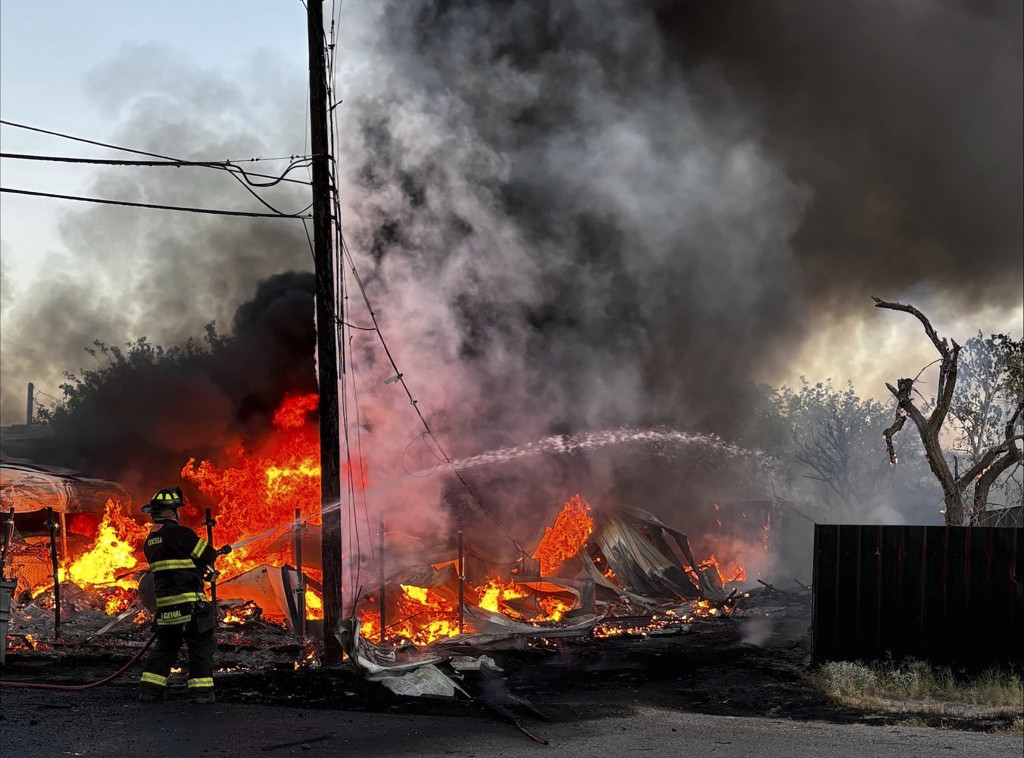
<point x="572" y="215"/>
<point x="904" y="117"/>
<point x="125" y="273"/>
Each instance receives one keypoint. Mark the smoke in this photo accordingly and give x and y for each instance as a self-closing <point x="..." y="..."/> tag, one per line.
<point x="543" y="186"/>
<point x="757" y="631"/>
<point x="123" y="273"/>
<point x="567" y="216"/>
<point x="905" y="119"/>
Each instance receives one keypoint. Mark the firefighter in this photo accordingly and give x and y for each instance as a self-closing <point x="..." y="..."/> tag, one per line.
<point x="178" y="562"/>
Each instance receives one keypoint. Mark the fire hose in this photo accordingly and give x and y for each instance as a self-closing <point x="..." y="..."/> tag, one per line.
<point x="82" y="687"/>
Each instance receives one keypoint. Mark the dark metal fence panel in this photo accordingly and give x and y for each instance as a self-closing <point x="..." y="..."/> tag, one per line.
<point x="950" y="595"/>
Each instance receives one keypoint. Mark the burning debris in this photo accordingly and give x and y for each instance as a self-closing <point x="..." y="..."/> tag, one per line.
<point x="622" y="560"/>
<point x="594" y="574"/>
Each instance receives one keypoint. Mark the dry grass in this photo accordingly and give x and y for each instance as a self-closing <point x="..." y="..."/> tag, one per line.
<point x="916" y="688"/>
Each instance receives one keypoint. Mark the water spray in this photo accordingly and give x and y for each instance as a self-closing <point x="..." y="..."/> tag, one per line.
<point x="561" y="444"/>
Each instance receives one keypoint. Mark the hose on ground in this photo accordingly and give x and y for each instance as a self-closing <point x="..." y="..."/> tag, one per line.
<point x="81" y="687"/>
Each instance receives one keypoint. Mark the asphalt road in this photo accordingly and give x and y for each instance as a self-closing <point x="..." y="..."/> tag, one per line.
<point x="109" y="722"/>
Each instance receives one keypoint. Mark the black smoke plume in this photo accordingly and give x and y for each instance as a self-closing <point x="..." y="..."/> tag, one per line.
<point x="577" y="215"/>
<point x="144" y="416"/>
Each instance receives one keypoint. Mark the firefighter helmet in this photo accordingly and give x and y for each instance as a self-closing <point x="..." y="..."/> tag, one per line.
<point x="169" y="497"/>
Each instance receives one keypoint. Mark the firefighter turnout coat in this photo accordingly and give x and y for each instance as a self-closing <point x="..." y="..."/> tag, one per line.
<point x="178" y="558"/>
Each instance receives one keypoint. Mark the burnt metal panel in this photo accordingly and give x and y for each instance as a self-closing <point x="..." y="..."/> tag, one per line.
<point x="951" y="595"/>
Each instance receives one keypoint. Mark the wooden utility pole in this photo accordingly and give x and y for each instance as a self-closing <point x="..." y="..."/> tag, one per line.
<point x="326" y="327"/>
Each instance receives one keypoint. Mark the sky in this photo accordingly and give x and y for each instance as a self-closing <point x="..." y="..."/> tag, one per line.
<point x="577" y="214"/>
<point x="49" y="56"/>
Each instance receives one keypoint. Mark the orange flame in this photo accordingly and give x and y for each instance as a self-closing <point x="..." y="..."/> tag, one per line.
<point x="265" y="489"/>
<point x="314" y="605"/>
<point x="739" y="574"/>
<point x="495" y="591"/>
<point x="114" y="551"/>
<point x="423" y="617"/>
<point x="564" y="540"/>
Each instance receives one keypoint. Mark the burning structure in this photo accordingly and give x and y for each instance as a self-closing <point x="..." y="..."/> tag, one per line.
<point x="587" y="568"/>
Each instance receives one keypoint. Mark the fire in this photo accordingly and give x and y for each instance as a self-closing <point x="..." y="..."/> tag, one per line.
<point x="424" y="617"/>
<point x="553" y="607"/>
<point x="117" y="541"/>
<point x="295" y="410"/>
<point x="564" y="540"/>
<point x="739" y="574"/>
<point x="495" y="591"/>
<point x="118" y="600"/>
<point x="239" y="614"/>
<point x="264" y="489"/>
<point x="314" y="605"/>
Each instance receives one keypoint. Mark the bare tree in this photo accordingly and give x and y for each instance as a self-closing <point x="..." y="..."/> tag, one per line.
<point x="991" y="463"/>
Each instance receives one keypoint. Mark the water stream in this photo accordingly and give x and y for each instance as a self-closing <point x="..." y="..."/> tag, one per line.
<point x="561" y="444"/>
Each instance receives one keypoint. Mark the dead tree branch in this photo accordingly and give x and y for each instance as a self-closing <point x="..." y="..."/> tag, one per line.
<point x="992" y="462"/>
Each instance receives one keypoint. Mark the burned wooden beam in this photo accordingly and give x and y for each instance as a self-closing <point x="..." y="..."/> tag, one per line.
<point x="776" y="590"/>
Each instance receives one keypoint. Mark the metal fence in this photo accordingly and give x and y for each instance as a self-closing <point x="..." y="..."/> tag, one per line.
<point x="949" y="595"/>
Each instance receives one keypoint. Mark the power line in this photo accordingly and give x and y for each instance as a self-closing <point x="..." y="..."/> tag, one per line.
<point x="296" y="160"/>
<point x="110" y="162"/>
<point x="82" y="139"/>
<point x="103" y="201"/>
<point x="400" y="377"/>
<point x="236" y="172"/>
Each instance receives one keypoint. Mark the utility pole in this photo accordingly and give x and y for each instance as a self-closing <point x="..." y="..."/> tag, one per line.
<point x="31" y="403"/>
<point x="326" y="340"/>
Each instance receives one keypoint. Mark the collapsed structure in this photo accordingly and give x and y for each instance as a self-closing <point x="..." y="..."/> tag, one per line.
<point x="590" y="573"/>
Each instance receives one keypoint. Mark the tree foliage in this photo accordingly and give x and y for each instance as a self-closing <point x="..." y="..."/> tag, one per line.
<point x="993" y="372"/>
<point x="90" y="391"/>
<point x="990" y="387"/>
<point x="828" y="436"/>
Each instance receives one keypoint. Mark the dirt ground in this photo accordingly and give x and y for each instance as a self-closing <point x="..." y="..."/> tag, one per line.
<point x="711" y="674"/>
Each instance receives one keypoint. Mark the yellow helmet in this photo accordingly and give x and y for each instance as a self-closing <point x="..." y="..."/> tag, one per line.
<point x="169" y="497"/>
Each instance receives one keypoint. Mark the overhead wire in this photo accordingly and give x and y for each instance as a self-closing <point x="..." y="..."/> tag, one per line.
<point x="244" y="178"/>
<point x="154" y="206"/>
<point x="228" y="165"/>
<point x="400" y="378"/>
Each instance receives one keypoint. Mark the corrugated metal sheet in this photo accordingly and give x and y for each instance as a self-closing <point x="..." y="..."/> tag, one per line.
<point x="951" y="595"/>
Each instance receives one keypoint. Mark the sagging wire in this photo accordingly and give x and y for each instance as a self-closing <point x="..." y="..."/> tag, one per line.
<point x="263" y="202"/>
<point x="152" y="206"/>
<point x="422" y="436"/>
<point x="296" y="161"/>
<point x="243" y="177"/>
<point x="359" y="453"/>
<point x="400" y="378"/>
<point x="342" y="343"/>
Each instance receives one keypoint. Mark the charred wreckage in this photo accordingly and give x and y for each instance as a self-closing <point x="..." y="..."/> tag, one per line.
<point x="72" y="565"/>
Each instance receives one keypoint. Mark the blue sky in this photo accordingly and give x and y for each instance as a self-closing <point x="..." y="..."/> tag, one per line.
<point x="48" y="51"/>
